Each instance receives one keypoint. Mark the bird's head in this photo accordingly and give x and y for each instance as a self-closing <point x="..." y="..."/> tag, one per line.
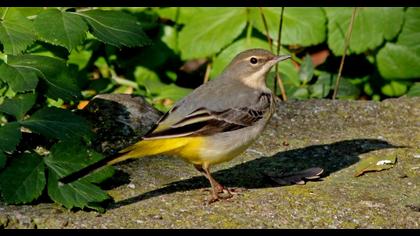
<point x="252" y="66"/>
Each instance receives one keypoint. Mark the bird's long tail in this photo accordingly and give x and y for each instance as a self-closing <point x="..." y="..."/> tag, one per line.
<point x="140" y="149"/>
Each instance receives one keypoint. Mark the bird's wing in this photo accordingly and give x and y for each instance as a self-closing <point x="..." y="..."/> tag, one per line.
<point x="204" y="121"/>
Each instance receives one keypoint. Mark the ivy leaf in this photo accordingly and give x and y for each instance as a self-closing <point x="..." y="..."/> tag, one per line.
<point x="301" y="26"/>
<point x="371" y="26"/>
<point x="16" y="32"/>
<point x="60" y="28"/>
<point x="20" y="79"/>
<point x="65" y="158"/>
<point x="398" y="62"/>
<point x="57" y="123"/>
<point x="207" y="33"/>
<point x="410" y="34"/>
<point x="51" y="70"/>
<point x="23" y="180"/>
<point x="115" y="28"/>
<point x="414" y="90"/>
<point x="18" y="105"/>
<point x="10" y="136"/>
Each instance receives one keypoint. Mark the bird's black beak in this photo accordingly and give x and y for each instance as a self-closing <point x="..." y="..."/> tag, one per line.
<point x="281" y="58"/>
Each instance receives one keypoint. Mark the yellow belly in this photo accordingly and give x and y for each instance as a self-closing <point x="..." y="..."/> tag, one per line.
<point x="187" y="148"/>
<point x="191" y="149"/>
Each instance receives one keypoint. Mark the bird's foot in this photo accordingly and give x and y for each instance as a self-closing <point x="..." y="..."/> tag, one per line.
<point x="224" y="194"/>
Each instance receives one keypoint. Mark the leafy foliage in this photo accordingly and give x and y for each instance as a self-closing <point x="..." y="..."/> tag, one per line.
<point x="18" y="105"/>
<point x="9" y="137"/>
<point x="16" y="31"/>
<point x="302" y="26"/>
<point x="20" y="79"/>
<point x="52" y="71"/>
<point x="24" y="179"/>
<point x="37" y="80"/>
<point x="54" y="60"/>
<point x="115" y="28"/>
<point x="213" y="35"/>
<point x="57" y="123"/>
<point x="60" y="28"/>
<point x="63" y="160"/>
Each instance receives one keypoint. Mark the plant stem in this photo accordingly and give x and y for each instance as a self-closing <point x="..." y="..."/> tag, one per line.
<point x="207" y="74"/>
<point x="346" y="44"/>
<point x="278" y="78"/>
<point x="122" y="81"/>
<point x="266" y="29"/>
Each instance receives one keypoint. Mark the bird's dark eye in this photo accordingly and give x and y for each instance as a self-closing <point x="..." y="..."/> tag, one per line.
<point x="253" y="60"/>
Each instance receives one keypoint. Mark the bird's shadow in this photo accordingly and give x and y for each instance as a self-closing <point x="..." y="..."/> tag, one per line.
<point x="250" y="175"/>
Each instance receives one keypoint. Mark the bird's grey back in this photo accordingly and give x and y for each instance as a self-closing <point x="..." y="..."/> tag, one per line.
<point x="218" y="94"/>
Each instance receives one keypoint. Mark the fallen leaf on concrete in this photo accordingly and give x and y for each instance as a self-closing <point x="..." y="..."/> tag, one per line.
<point x="300" y="177"/>
<point x="375" y="163"/>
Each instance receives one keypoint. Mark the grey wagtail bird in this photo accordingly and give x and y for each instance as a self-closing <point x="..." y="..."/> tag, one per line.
<point x="213" y="124"/>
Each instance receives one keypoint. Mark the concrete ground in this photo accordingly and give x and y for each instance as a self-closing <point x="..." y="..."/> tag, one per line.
<point x="165" y="192"/>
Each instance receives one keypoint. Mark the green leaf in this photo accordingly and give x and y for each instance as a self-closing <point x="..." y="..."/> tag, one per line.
<point x="207" y="33"/>
<point x="148" y="79"/>
<point x="410" y="34"/>
<point x="394" y="89"/>
<point x="414" y="90"/>
<point x="173" y="92"/>
<point x="346" y="90"/>
<point x="20" y="79"/>
<point x="115" y="28"/>
<point x="10" y="136"/>
<point x="370" y="27"/>
<point x="16" y="32"/>
<point x="80" y="58"/>
<point x="393" y="18"/>
<point x="77" y="194"/>
<point x="53" y="71"/>
<point x="180" y="15"/>
<point x="301" y="93"/>
<point x="170" y="37"/>
<point x="60" y="28"/>
<point x="398" y="62"/>
<point x="302" y="26"/>
<point x="322" y="86"/>
<point x="24" y="179"/>
<point x="2" y="159"/>
<point x="57" y="123"/>
<point x="306" y="71"/>
<point x="18" y="105"/>
<point x="151" y="81"/>
<point x="375" y="163"/>
<point x="65" y="158"/>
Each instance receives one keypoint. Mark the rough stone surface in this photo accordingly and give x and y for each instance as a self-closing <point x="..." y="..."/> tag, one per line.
<point x="165" y="192"/>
